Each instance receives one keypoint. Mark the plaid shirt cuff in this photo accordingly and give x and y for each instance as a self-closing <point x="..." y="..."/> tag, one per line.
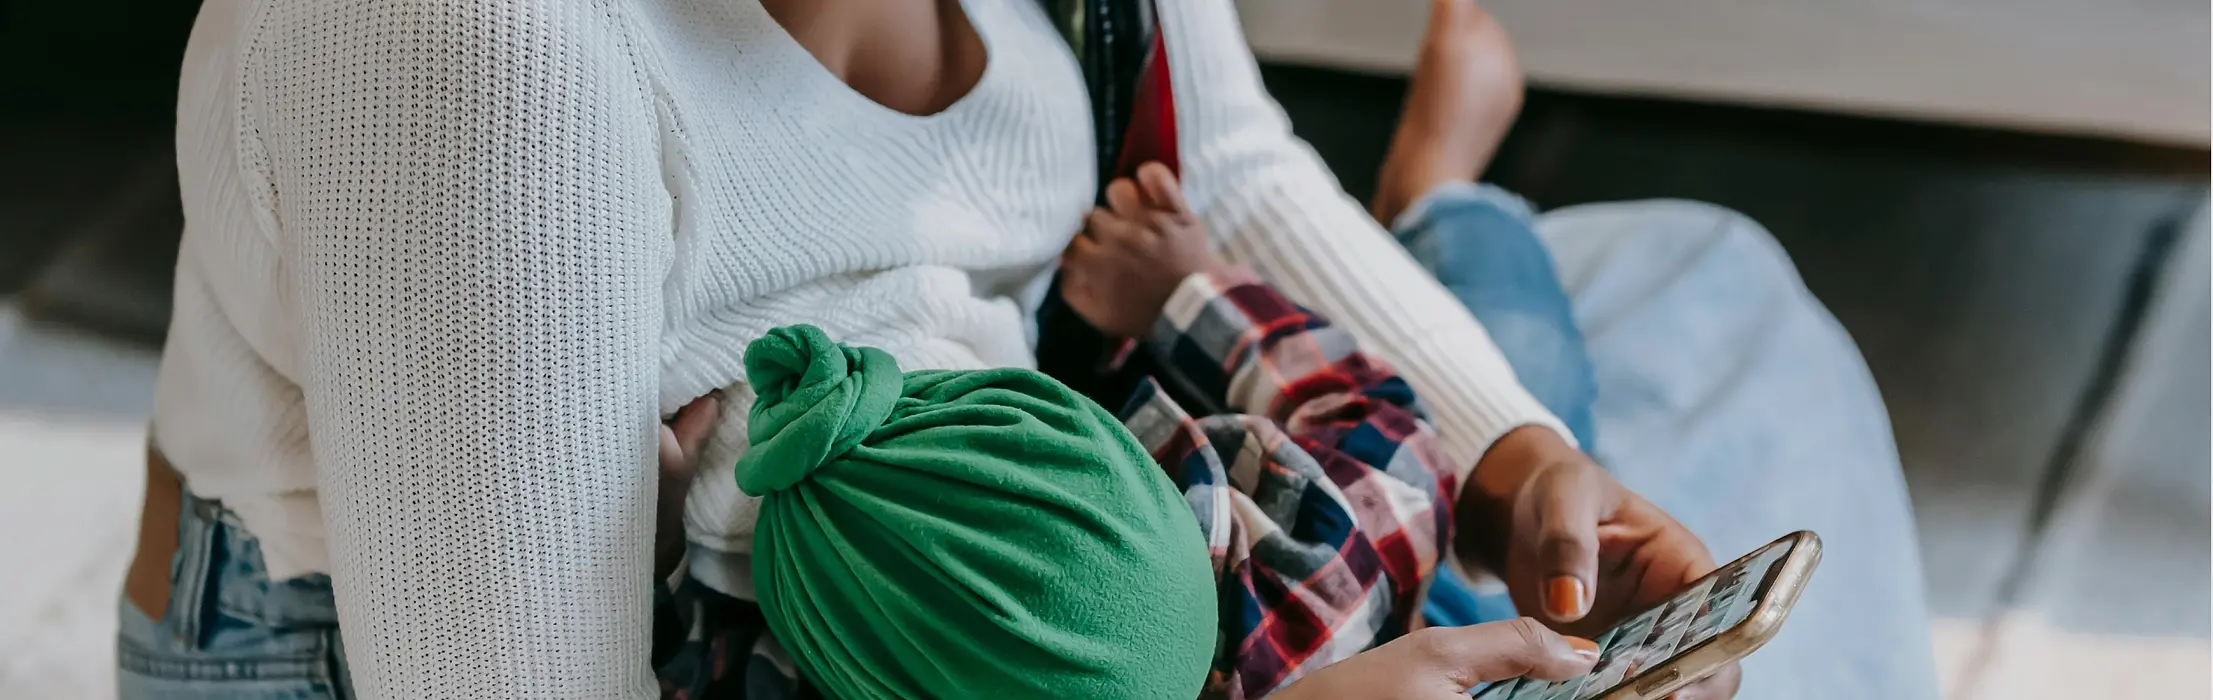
<point x="1242" y="344"/>
<point x="1211" y="335"/>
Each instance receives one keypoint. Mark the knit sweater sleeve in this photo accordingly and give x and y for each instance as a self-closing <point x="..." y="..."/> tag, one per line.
<point x="1275" y="208"/>
<point x="468" y="199"/>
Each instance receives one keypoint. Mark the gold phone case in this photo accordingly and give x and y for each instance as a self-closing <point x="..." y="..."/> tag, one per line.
<point x="1736" y="642"/>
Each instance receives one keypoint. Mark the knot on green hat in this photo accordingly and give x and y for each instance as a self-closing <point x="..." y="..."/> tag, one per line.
<point x="817" y="399"/>
<point x="980" y="534"/>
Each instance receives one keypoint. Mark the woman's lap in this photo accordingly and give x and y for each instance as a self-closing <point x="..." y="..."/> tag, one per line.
<point x="1476" y="240"/>
<point x="1726" y="394"/>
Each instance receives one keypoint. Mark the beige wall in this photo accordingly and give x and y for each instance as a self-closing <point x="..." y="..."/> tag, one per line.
<point x="2135" y="69"/>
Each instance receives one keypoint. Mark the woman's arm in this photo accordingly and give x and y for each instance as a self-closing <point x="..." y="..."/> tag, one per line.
<point x="470" y="203"/>
<point x="1276" y="209"/>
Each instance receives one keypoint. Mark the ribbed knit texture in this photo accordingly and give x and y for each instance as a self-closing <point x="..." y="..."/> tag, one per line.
<point x="1275" y="208"/>
<point x="447" y="261"/>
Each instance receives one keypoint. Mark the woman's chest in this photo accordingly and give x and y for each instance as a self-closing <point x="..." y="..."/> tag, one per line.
<point x="781" y="173"/>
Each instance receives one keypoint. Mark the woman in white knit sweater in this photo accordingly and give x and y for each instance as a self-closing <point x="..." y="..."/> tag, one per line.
<point x="447" y="262"/>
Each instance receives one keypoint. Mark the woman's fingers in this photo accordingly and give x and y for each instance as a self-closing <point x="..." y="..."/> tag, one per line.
<point x="681" y="438"/>
<point x="1720" y="686"/>
<point x="1086" y="242"/>
<point x="671" y="453"/>
<point x="1470" y="656"/>
<point x="692" y="422"/>
<point x="1160" y="188"/>
<point x="1569" y="507"/>
<point x="1443" y="663"/>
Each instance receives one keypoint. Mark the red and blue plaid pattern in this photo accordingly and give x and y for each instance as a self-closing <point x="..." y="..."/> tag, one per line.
<point x="1319" y="492"/>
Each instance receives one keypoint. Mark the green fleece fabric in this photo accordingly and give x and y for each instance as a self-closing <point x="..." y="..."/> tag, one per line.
<point x="957" y="535"/>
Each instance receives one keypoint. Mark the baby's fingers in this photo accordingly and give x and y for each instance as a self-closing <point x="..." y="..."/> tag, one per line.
<point x="1122" y="197"/>
<point x="1103" y="226"/>
<point x="1161" y="190"/>
<point x="1083" y="247"/>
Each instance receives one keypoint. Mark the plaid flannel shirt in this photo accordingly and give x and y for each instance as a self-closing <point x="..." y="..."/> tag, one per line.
<point x="1321" y="497"/>
<point x="1321" y="494"/>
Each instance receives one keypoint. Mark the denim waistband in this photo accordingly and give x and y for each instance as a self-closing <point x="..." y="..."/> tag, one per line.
<point x="228" y="631"/>
<point x="219" y="570"/>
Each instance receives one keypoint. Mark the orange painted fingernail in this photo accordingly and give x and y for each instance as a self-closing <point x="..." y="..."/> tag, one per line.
<point x="1584" y="648"/>
<point x="1563" y="598"/>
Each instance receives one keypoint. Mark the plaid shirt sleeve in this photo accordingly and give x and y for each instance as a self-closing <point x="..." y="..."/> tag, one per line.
<point x="1319" y="494"/>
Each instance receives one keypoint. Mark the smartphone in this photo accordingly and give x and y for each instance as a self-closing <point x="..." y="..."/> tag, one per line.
<point x="1716" y="620"/>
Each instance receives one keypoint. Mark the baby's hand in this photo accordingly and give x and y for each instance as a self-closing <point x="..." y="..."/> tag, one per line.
<point x="1134" y="253"/>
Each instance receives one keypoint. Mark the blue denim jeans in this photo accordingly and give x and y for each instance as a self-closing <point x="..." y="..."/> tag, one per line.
<point x="1677" y="342"/>
<point x="229" y="631"/>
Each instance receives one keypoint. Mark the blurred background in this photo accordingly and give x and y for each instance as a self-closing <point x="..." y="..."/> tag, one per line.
<point x="2004" y="201"/>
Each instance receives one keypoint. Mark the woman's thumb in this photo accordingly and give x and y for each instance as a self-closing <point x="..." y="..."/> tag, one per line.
<point x="1566" y="542"/>
<point x="1496" y="651"/>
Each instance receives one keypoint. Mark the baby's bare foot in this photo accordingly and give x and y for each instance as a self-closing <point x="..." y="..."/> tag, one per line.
<point x="1465" y="91"/>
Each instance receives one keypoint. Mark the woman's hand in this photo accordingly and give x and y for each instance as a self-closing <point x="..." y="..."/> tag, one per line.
<point x="1576" y="544"/>
<point x="681" y="437"/>
<point x="1442" y="663"/>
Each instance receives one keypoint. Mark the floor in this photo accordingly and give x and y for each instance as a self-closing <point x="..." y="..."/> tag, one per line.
<point x="73" y="408"/>
<point x="2099" y="605"/>
<point x="2035" y="311"/>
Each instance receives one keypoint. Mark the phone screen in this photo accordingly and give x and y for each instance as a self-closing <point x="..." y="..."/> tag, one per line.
<point x="1697" y="615"/>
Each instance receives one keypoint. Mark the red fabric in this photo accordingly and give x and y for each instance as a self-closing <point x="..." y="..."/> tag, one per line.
<point x="1151" y="135"/>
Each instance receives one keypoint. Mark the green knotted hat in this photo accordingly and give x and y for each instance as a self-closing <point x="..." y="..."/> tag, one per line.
<point x="965" y="534"/>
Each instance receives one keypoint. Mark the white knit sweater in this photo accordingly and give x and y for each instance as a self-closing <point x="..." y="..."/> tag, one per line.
<point x="446" y="262"/>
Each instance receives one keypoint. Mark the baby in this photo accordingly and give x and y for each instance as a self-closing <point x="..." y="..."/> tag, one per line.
<point x="1330" y="517"/>
<point x="994" y="534"/>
